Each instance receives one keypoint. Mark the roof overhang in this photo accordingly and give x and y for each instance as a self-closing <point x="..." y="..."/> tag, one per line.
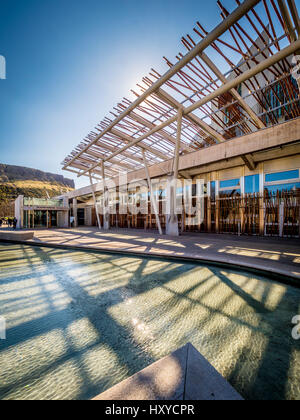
<point x="213" y="103"/>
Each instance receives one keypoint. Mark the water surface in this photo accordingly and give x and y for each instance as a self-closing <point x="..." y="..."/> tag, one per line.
<point x="78" y="323"/>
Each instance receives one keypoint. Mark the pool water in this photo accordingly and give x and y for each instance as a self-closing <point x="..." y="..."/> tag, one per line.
<point x="80" y="322"/>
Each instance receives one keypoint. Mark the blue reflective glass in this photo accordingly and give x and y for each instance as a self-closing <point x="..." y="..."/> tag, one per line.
<point x="162" y="193"/>
<point x="283" y="187"/>
<point x="213" y="190"/>
<point x="230" y="183"/>
<point x="282" y="176"/>
<point x="230" y="193"/>
<point x="251" y="184"/>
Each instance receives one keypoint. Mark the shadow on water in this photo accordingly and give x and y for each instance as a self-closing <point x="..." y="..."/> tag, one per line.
<point x="83" y="305"/>
<point x="270" y="379"/>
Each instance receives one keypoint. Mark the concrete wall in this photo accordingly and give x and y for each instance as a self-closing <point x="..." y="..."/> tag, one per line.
<point x="19" y="211"/>
<point x="88" y="216"/>
<point x="227" y="154"/>
<point x="250" y="100"/>
<point x="63" y="219"/>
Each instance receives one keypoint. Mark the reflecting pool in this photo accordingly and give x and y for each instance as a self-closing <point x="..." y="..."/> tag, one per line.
<point x="80" y="322"/>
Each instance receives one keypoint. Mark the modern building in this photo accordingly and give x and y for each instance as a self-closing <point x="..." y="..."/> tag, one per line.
<point x="227" y="113"/>
<point x="34" y="213"/>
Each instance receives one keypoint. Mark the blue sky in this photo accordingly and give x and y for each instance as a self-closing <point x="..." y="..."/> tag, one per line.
<point x="70" y="61"/>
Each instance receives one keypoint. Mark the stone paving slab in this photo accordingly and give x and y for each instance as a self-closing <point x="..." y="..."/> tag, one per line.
<point x="280" y="256"/>
<point x="184" y="375"/>
<point x="7" y="235"/>
<point x="204" y="383"/>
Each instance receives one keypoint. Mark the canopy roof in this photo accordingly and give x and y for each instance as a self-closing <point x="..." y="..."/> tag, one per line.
<point x="219" y="99"/>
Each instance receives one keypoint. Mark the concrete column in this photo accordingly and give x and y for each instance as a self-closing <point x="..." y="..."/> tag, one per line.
<point x="65" y="214"/>
<point x="63" y="219"/>
<point x="153" y="201"/>
<point x="209" y="206"/>
<point x="95" y="202"/>
<point x="88" y="216"/>
<point x="106" y="218"/>
<point x="19" y="205"/>
<point x="172" y="228"/>
<point x="261" y="201"/>
<point x="281" y="219"/>
<point x="242" y="204"/>
<point x="75" y="212"/>
<point x="217" y="214"/>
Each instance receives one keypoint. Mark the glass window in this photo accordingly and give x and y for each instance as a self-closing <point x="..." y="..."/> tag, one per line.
<point x="161" y="194"/>
<point x="282" y="176"/>
<point x="42" y="202"/>
<point x="40" y="218"/>
<point x="251" y="184"/>
<point x="230" y="193"/>
<point x="283" y="187"/>
<point x="230" y="183"/>
<point x="213" y="190"/>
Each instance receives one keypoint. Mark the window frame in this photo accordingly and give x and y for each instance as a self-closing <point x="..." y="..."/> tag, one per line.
<point x="282" y="181"/>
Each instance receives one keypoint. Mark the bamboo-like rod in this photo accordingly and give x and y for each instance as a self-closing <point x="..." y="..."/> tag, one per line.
<point x="95" y="201"/>
<point x="152" y="195"/>
<point x="234" y="17"/>
<point x="223" y="89"/>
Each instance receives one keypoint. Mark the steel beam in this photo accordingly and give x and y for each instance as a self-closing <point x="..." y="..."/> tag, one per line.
<point x="234" y="92"/>
<point x="287" y="19"/>
<point x="106" y="218"/>
<point x="295" y="15"/>
<point x="128" y="139"/>
<point x="172" y="228"/>
<point x="166" y="135"/>
<point x="223" y="89"/>
<point x="194" y="119"/>
<point x="152" y="195"/>
<point x="234" y="17"/>
<point x="95" y="202"/>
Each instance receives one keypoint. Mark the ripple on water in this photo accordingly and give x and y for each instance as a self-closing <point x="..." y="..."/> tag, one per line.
<point x="78" y="323"/>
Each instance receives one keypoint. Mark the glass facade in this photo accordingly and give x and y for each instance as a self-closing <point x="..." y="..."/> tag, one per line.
<point x="230" y="193"/>
<point x="282" y="176"/>
<point x="282" y="181"/>
<point x="251" y="184"/>
<point x="230" y="188"/>
<point x="42" y="202"/>
<point x="276" y="100"/>
<point x="283" y="187"/>
<point x="230" y="183"/>
<point x="39" y="219"/>
<point x="213" y="190"/>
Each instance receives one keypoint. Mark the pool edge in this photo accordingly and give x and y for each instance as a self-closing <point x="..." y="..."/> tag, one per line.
<point x="272" y="273"/>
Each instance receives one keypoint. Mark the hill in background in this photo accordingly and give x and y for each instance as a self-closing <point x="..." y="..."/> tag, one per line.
<point x="17" y="180"/>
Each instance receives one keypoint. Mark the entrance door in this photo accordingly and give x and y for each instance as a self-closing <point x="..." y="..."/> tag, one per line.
<point x="80" y="217"/>
<point x="52" y="219"/>
<point x="40" y="218"/>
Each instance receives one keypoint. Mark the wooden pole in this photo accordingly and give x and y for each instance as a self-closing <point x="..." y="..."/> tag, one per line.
<point x="95" y="202"/>
<point x="151" y="194"/>
<point x="105" y="200"/>
<point x="265" y="64"/>
<point x="172" y="223"/>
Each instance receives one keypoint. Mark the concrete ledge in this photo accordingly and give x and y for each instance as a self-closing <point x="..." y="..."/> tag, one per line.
<point x="16" y="235"/>
<point x="184" y="375"/>
<point x="285" y="276"/>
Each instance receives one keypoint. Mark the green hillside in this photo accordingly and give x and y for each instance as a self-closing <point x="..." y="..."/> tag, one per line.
<point x="17" y="180"/>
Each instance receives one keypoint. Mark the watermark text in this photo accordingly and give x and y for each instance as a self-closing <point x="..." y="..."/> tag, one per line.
<point x="2" y="67"/>
<point x="2" y="328"/>
<point x="296" y="329"/>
